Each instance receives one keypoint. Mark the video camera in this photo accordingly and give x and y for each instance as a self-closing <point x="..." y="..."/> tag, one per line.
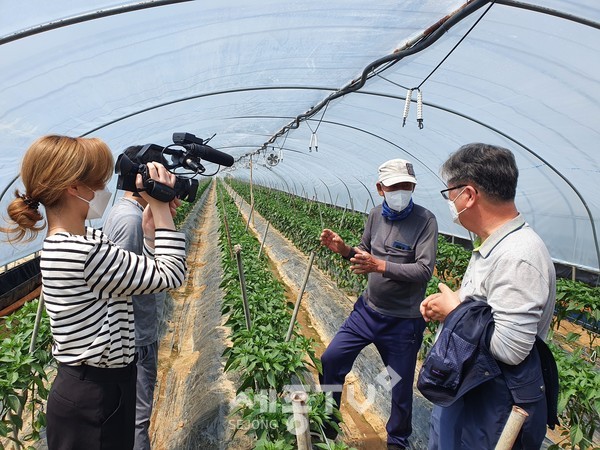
<point x="186" y="152"/>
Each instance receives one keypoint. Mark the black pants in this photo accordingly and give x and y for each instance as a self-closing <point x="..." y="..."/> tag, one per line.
<point x="91" y="408"/>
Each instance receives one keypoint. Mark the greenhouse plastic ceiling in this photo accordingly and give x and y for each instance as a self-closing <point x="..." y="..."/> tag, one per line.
<point x="263" y="77"/>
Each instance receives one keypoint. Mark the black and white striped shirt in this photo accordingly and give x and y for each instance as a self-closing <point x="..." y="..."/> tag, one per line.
<point x="88" y="283"/>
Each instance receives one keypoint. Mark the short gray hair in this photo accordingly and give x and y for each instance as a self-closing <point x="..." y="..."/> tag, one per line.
<point x="490" y="168"/>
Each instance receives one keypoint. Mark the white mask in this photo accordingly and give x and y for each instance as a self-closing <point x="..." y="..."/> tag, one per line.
<point x="97" y="204"/>
<point x="398" y="200"/>
<point x="453" y="211"/>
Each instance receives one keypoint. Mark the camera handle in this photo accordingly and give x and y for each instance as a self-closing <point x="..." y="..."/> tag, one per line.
<point x="158" y="190"/>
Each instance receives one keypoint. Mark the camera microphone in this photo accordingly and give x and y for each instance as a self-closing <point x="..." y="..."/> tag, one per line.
<point x="201" y="150"/>
<point x="210" y="154"/>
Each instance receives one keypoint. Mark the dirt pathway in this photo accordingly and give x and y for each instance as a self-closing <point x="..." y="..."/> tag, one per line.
<point x="193" y="394"/>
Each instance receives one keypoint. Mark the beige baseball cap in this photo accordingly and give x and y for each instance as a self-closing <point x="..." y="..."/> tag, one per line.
<point x="396" y="171"/>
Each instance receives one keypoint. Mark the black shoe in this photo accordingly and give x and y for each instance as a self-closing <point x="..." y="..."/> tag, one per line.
<point x="395" y="447"/>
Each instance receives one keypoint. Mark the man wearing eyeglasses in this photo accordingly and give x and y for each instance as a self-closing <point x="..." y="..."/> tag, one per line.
<point x="397" y="251"/>
<point x="510" y="270"/>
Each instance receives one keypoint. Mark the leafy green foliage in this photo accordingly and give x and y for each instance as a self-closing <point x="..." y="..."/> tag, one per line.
<point x="450" y="265"/>
<point x="279" y="444"/>
<point x="579" y="302"/>
<point x="302" y="222"/>
<point x="184" y="209"/>
<point x="270" y="418"/>
<point x="23" y="375"/>
<point x="578" y="401"/>
<point x="264" y="363"/>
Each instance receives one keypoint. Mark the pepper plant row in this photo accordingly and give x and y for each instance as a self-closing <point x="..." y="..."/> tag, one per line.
<point x="184" y="209"/>
<point x="264" y="363"/>
<point x="302" y="221"/>
<point x="23" y="375"/>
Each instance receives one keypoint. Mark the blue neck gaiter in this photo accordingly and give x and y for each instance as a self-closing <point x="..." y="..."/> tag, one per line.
<point x="392" y="215"/>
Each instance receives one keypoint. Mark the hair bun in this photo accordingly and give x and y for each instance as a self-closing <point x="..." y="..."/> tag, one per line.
<point x="31" y="203"/>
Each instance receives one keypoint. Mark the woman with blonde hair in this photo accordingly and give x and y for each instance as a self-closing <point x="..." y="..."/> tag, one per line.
<point x="88" y="283"/>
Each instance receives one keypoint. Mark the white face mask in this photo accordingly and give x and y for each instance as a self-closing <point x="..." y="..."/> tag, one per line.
<point x="398" y="200"/>
<point x="453" y="211"/>
<point x="97" y="204"/>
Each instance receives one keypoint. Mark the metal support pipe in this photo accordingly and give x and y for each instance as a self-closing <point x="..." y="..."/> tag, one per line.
<point x="343" y="216"/>
<point x="238" y="256"/>
<point x="349" y="194"/>
<point x="328" y="191"/>
<point x="249" y="215"/>
<point x="226" y="223"/>
<point x="299" y="299"/>
<point x="251" y="192"/>
<point x="321" y="216"/>
<point x="262" y="244"/>
<point x="368" y="192"/>
<point x="97" y="14"/>
<point x="310" y="204"/>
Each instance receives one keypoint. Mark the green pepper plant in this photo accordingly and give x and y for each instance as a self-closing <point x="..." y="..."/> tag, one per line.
<point x="23" y="375"/>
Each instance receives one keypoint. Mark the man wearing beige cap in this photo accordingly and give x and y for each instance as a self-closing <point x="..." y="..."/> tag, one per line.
<point x="397" y="252"/>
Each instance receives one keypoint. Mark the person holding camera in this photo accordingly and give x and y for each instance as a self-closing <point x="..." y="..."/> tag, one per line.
<point x="88" y="283"/>
<point x="123" y="226"/>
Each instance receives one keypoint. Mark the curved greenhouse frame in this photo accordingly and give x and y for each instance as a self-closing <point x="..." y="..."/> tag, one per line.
<point x="262" y="79"/>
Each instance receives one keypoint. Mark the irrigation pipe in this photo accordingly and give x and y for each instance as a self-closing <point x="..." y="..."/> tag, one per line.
<point x="512" y="428"/>
<point x="238" y="256"/>
<point x="299" y="299"/>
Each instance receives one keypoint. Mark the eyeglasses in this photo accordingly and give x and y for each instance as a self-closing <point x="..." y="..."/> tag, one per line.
<point x="445" y="191"/>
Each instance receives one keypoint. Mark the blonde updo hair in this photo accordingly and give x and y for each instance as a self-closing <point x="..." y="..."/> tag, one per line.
<point x="51" y="165"/>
